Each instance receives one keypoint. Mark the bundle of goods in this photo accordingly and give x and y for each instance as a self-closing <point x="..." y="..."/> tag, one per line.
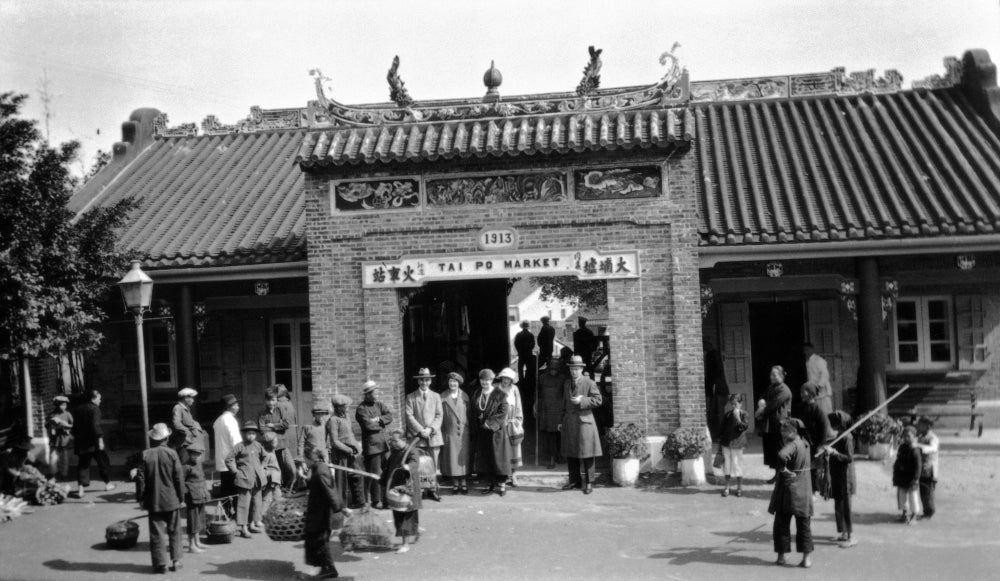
<point x="428" y="472"/>
<point x="221" y="529"/>
<point x="366" y="529"/>
<point x="28" y="481"/>
<point x="286" y="519"/>
<point x="50" y="493"/>
<point x="11" y="507"/>
<point x="123" y="534"/>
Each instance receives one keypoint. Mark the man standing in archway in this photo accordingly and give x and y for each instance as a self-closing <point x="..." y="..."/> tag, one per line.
<point x="524" y="344"/>
<point x="583" y="345"/>
<point x="580" y="440"/>
<point x="546" y="341"/>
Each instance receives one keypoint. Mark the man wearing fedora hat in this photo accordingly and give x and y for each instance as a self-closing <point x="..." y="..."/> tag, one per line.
<point x="580" y="440"/>
<point x="162" y="483"/>
<point x="187" y="431"/>
<point x="374" y="417"/>
<point x="424" y="415"/>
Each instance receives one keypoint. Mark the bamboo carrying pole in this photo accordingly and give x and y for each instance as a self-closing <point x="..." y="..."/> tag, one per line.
<point x="862" y="420"/>
<point x="353" y="471"/>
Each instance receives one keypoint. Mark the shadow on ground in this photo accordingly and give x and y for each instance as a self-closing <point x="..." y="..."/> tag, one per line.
<point x="102" y="567"/>
<point x="261" y="569"/>
<point x="714" y="555"/>
<point x="141" y="546"/>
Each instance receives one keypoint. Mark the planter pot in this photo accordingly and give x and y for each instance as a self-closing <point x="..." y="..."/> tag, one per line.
<point x="625" y="471"/>
<point x="693" y="472"/>
<point x="879" y="451"/>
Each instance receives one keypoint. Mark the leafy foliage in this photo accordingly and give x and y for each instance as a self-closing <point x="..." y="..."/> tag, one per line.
<point x="879" y="429"/>
<point x="687" y="443"/>
<point x="582" y="294"/>
<point x="55" y="267"/>
<point x="626" y="441"/>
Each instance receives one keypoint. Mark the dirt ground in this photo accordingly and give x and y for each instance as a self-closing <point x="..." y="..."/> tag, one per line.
<point x="655" y="531"/>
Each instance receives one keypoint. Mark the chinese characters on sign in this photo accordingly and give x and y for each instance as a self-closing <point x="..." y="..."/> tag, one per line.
<point x="584" y="264"/>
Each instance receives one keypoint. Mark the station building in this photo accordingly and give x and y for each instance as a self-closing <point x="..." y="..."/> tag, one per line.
<point x="325" y="245"/>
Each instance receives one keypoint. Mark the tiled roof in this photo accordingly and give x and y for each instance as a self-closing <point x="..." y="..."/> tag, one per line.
<point x="212" y="201"/>
<point x="498" y="137"/>
<point x="906" y="164"/>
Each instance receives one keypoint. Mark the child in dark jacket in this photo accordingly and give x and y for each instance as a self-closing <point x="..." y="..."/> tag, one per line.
<point x="732" y="440"/>
<point x="195" y="498"/>
<point x="906" y="476"/>
<point x="842" y="478"/>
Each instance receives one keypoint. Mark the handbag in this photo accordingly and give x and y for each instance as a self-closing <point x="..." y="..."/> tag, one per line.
<point x="719" y="461"/>
<point x="516" y="433"/>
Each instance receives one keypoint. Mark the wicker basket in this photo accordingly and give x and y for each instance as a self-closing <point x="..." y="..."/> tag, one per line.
<point x="399" y="498"/>
<point x="123" y="534"/>
<point x="286" y="519"/>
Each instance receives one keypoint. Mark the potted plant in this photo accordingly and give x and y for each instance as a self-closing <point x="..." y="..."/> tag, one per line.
<point x="626" y="444"/>
<point x="688" y="446"/>
<point x="879" y="434"/>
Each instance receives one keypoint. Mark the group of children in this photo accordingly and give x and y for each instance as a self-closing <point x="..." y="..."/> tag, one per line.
<point x="915" y="472"/>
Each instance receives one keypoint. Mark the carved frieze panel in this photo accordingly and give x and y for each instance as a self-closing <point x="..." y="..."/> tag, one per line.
<point x="539" y="187"/>
<point x="740" y="89"/>
<point x="952" y="76"/>
<point x="618" y="183"/>
<point x="395" y="194"/>
<point x="161" y="128"/>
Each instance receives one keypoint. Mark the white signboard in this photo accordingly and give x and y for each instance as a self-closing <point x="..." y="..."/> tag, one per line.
<point x="584" y="264"/>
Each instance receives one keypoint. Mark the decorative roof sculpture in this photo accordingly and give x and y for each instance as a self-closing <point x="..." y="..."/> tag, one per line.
<point x="397" y="90"/>
<point x="591" y="80"/>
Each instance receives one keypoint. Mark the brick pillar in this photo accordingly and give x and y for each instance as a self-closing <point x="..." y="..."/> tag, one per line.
<point x="383" y="349"/>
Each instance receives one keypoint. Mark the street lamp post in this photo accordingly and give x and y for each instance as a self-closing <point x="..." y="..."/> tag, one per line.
<point x="137" y="291"/>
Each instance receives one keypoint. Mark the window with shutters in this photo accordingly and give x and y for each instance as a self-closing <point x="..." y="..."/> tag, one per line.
<point x="970" y="322"/>
<point x="923" y="336"/>
<point x="162" y="356"/>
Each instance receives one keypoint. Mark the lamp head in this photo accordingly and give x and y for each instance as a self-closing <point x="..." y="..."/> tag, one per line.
<point x="137" y="289"/>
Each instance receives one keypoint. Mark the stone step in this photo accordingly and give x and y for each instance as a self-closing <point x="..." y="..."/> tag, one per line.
<point x="536" y="477"/>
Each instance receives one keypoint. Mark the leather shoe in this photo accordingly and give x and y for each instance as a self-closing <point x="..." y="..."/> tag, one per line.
<point x="434" y="495"/>
<point x="588" y="489"/>
<point x="465" y="489"/>
<point x="571" y="485"/>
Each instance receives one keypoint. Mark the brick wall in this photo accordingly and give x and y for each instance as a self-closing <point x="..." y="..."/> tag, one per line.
<point x="655" y="320"/>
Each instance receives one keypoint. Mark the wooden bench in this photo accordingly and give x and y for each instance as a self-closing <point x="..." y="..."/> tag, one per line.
<point x="939" y="402"/>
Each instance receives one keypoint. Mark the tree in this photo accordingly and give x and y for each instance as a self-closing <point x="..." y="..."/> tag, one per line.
<point x="55" y="267"/>
<point x="101" y="159"/>
<point x="582" y="294"/>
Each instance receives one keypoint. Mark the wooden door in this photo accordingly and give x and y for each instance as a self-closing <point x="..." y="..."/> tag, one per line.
<point x="824" y="334"/>
<point x="291" y="362"/>
<point x="734" y="343"/>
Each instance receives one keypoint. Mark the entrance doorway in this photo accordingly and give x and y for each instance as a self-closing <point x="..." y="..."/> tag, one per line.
<point x="291" y="362"/>
<point x="777" y="332"/>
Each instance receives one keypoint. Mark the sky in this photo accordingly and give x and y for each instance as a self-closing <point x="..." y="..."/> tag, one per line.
<point x="100" y="60"/>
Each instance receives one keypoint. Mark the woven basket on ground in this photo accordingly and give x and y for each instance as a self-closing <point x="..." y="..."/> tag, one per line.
<point x="123" y="534"/>
<point x="286" y="519"/>
<point x="367" y="529"/>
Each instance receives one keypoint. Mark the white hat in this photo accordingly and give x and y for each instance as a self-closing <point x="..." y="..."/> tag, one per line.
<point x="159" y="432"/>
<point x="187" y="391"/>
<point x="508" y="373"/>
<point x="576" y="361"/>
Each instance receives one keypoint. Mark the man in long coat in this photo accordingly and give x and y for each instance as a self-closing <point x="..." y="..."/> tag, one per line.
<point x="552" y="386"/>
<point x="524" y="345"/>
<point x="374" y="417"/>
<point x="424" y="415"/>
<point x="792" y="496"/>
<point x="162" y="478"/>
<point x="88" y="442"/>
<point x="187" y="431"/>
<point x="344" y="450"/>
<point x="546" y="341"/>
<point x="322" y="517"/>
<point x="584" y="344"/>
<point x="580" y="440"/>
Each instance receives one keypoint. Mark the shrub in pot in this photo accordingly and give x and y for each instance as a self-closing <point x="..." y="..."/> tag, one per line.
<point x="688" y="446"/>
<point x="626" y="444"/>
<point x="879" y="433"/>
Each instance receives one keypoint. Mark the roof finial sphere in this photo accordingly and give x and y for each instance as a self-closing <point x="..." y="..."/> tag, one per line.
<point x="492" y="79"/>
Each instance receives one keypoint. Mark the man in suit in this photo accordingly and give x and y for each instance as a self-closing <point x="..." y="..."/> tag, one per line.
<point x="162" y="478"/>
<point x="524" y="344"/>
<point x="88" y="438"/>
<point x="584" y="343"/>
<point x="546" y="342"/>
<point x="424" y="415"/>
<point x="580" y="440"/>
<point x="322" y="516"/>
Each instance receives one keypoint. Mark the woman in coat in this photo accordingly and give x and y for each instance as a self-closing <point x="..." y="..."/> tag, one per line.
<point x="777" y="405"/>
<point x="515" y="418"/>
<point x="493" y="450"/>
<point x="792" y="496"/>
<point x="455" y="431"/>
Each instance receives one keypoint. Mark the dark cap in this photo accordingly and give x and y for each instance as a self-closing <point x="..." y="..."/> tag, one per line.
<point x="229" y="399"/>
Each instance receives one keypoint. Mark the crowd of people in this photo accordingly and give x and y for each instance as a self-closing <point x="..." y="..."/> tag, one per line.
<point x="465" y="431"/>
